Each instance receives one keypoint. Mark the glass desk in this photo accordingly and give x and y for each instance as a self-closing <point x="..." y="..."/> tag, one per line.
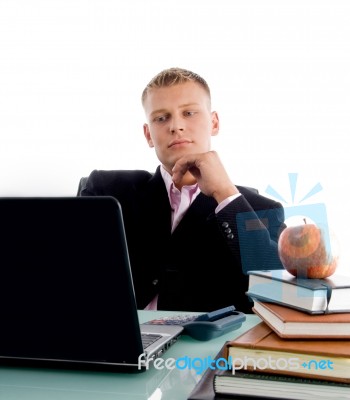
<point x="18" y="383"/>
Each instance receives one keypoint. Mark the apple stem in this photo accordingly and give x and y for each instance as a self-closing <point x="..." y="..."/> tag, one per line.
<point x="304" y="221"/>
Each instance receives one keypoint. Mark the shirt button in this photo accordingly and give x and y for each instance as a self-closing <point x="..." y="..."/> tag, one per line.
<point x="228" y="230"/>
<point x="230" y="236"/>
<point x="225" y="225"/>
<point x="155" y="282"/>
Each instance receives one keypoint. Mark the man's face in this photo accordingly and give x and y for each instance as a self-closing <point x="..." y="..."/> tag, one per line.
<point x="179" y="122"/>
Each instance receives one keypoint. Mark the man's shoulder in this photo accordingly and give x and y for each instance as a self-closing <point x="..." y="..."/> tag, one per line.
<point x="115" y="182"/>
<point x="121" y="175"/>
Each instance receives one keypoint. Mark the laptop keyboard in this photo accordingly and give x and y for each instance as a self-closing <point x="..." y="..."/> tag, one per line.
<point x="149" y="338"/>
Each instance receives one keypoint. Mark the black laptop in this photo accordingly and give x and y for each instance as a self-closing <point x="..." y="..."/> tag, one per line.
<point x="66" y="290"/>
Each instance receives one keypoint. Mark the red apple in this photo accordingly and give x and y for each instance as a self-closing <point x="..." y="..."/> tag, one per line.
<point x="304" y="252"/>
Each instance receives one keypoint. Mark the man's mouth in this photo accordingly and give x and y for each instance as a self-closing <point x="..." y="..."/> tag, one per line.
<point x="179" y="142"/>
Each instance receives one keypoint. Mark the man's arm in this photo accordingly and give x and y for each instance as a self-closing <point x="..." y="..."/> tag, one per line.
<point x="253" y="227"/>
<point x="254" y="231"/>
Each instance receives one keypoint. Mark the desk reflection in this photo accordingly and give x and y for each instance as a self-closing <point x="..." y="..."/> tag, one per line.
<point x="29" y="383"/>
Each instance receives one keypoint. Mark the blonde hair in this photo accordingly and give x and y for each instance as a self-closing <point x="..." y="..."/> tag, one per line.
<point x="174" y="76"/>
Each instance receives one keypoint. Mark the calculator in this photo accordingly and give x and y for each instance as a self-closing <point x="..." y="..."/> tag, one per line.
<point x="205" y="326"/>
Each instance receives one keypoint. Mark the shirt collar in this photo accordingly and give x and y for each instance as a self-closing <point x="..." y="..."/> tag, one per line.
<point x="169" y="184"/>
<point x="173" y="191"/>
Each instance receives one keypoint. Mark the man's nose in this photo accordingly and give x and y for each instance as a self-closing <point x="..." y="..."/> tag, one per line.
<point x="176" y="125"/>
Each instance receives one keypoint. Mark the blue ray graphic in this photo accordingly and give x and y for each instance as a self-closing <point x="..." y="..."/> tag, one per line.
<point x="317" y="188"/>
<point x="293" y="177"/>
<point x="271" y="191"/>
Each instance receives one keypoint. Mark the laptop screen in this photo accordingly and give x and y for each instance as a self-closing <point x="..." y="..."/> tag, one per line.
<point x="66" y="287"/>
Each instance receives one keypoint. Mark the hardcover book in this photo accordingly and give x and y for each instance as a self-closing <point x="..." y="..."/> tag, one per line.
<point x="261" y="349"/>
<point x="290" y="323"/>
<point x="272" y="386"/>
<point x="329" y="295"/>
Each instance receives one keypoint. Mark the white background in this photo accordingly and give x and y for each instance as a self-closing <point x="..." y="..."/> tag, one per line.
<point x="72" y="73"/>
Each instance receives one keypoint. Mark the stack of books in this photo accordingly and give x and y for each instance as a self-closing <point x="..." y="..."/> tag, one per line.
<point x="300" y="350"/>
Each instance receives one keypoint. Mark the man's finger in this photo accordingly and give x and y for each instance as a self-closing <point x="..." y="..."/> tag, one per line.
<point x="183" y="165"/>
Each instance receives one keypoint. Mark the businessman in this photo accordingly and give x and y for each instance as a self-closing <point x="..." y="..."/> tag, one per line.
<point x="192" y="233"/>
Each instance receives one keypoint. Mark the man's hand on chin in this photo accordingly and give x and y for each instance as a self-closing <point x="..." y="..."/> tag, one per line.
<point x="209" y="173"/>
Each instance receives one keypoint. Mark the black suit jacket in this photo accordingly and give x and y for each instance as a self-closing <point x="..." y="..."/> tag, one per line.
<point x="202" y="265"/>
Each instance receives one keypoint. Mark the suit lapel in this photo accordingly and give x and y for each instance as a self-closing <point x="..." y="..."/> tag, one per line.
<point x="157" y="207"/>
<point x="200" y="209"/>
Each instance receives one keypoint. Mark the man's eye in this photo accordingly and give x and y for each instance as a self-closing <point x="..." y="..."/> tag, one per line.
<point x="189" y="113"/>
<point x="160" y="118"/>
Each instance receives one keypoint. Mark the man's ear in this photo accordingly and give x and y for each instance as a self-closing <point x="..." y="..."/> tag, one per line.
<point x="215" y="123"/>
<point x="147" y="134"/>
